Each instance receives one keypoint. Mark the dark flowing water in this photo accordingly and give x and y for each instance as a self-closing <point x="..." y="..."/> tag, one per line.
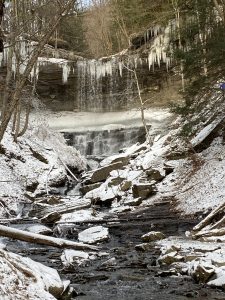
<point x="126" y="273"/>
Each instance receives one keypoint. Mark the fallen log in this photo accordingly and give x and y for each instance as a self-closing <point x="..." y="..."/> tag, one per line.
<point x="41" y="239"/>
<point x="209" y="233"/>
<point x="216" y="215"/>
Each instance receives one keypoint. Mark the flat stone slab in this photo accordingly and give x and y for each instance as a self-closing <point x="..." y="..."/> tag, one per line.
<point x="94" y="235"/>
<point x="143" y="190"/>
<point x="102" y="173"/>
<point x="68" y="205"/>
<point x="40" y="229"/>
<point x="87" y="188"/>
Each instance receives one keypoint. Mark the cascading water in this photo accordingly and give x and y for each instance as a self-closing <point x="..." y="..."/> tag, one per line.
<point x="106" y="142"/>
<point x="100" y="87"/>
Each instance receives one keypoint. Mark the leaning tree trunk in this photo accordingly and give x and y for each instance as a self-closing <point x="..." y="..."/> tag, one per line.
<point x="13" y="98"/>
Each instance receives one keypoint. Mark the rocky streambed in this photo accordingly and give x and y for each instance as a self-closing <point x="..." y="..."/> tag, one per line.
<point x="125" y="267"/>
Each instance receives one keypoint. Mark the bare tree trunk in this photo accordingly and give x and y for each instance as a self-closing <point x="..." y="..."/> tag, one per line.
<point x="12" y="99"/>
<point x="202" y="37"/>
<point x="2" y="5"/>
<point x="142" y="108"/>
<point x="26" y="122"/>
<point x="219" y="10"/>
<point x="41" y="239"/>
<point x="177" y="15"/>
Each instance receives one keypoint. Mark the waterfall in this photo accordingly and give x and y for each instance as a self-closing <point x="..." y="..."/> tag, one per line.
<point x="106" y="142"/>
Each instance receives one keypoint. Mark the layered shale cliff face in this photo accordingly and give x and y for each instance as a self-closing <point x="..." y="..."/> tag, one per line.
<point x="108" y="84"/>
<point x="103" y="85"/>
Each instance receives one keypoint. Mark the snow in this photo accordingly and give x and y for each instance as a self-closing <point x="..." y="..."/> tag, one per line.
<point x="80" y="216"/>
<point x="36" y="160"/>
<point x="210" y="257"/>
<point x="94" y="235"/>
<point x="154" y="158"/>
<point x="205" y="188"/>
<point x="70" y="257"/>
<point x="24" y="277"/>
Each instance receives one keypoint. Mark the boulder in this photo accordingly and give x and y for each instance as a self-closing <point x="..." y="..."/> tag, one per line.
<point x="115" y="181"/>
<point x="152" y="236"/>
<point x="51" y="217"/>
<point x="203" y="273"/>
<point x="125" y="185"/>
<point x="154" y="174"/>
<point x="170" y="258"/>
<point x="143" y="190"/>
<point x="171" y="248"/>
<point x="109" y="263"/>
<point x="101" y="174"/>
<point x="23" y="278"/>
<point x="39" y="229"/>
<point x="94" y="235"/>
<point x="144" y="247"/>
<point x="219" y="281"/>
<point x="70" y="257"/>
<point x="90" y="187"/>
<point x="124" y="158"/>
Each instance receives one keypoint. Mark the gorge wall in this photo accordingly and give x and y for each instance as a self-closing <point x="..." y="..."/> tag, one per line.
<point x="73" y="83"/>
<point x="108" y="84"/>
<point x="105" y="85"/>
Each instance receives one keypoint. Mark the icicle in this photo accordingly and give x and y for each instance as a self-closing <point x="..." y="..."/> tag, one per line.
<point x="23" y="48"/>
<point x="150" y="60"/>
<point x="121" y="68"/>
<point x="14" y="65"/>
<point x="66" y="72"/>
<point x="1" y="59"/>
<point x="109" y="68"/>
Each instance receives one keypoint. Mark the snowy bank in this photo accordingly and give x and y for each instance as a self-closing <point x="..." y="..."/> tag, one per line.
<point x="34" y="166"/>
<point x="25" y="278"/>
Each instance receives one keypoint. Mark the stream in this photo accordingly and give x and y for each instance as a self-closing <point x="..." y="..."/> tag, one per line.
<point x="122" y="270"/>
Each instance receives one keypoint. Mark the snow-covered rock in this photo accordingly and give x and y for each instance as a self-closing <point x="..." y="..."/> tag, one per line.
<point x="152" y="236"/>
<point x="40" y="229"/>
<point x="81" y="216"/>
<point x="70" y="257"/>
<point x="23" y="277"/>
<point x="94" y="235"/>
<point x="102" y="173"/>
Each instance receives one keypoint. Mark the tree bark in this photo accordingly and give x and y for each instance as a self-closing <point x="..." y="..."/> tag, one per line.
<point x="220" y="10"/>
<point x="41" y="239"/>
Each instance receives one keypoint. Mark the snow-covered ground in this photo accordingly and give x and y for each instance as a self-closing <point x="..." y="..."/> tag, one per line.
<point x="33" y="166"/>
<point x="22" y="278"/>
